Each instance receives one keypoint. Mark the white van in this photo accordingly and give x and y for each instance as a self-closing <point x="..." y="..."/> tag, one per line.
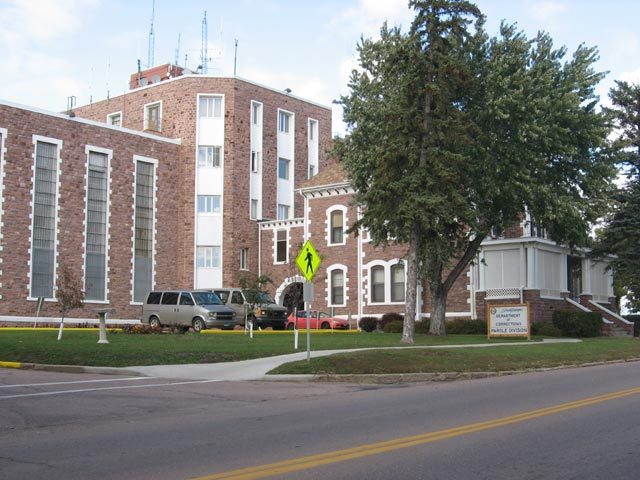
<point x="197" y="309"/>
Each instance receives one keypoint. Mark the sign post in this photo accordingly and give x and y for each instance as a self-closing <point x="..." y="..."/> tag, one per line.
<point x="308" y="262"/>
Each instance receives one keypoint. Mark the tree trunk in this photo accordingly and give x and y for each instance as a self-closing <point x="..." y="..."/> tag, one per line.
<point x="438" y="310"/>
<point x="409" y="326"/>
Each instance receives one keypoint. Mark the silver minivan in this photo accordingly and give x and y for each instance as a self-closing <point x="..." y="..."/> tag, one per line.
<point x="197" y="309"/>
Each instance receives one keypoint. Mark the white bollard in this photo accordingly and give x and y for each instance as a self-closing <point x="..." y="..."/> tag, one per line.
<point x="295" y="338"/>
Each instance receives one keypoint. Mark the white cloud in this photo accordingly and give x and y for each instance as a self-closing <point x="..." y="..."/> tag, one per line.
<point x="547" y="10"/>
<point x="631" y="77"/>
<point x="367" y="16"/>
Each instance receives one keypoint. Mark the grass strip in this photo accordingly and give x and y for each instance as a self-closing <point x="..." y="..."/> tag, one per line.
<point x="504" y="358"/>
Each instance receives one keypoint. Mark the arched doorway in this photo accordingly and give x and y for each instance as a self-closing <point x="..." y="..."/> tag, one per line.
<point x="290" y="294"/>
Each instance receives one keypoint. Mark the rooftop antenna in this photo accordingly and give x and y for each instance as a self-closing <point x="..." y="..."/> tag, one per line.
<point x="205" y="39"/>
<point x="177" y="60"/>
<point x="151" y="37"/>
<point x="235" y="57"/>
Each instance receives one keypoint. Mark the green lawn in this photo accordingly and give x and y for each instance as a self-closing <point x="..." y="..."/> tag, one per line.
<point x="468" y="359"/>
<point x="79" y="347"/>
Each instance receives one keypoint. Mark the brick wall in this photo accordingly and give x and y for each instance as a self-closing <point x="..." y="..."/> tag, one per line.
<point x="22" y="124"/>
<point x="179" y="97"/>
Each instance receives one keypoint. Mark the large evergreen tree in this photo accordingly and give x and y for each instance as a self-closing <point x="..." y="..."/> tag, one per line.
<point x="621" y="234"/>
<point x="452" y="134"/>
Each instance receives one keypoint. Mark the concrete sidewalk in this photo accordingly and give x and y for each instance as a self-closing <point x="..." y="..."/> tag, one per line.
<point x="257" y="369"/>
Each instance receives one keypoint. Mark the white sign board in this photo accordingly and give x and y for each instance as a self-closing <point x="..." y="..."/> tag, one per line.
<point x="508" y="321"/>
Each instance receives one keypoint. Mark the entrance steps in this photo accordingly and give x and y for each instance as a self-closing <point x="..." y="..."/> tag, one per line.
<point x="613" y="324"/>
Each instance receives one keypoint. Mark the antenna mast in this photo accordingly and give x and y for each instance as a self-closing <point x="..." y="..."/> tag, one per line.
<point x="205" y="39"/>
<point x="178" y="52"/>
<point x="151" y="37"/>
<point x="235" y="57"/>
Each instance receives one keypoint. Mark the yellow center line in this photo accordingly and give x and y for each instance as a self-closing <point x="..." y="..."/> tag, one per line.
<point x="312" y="461"/>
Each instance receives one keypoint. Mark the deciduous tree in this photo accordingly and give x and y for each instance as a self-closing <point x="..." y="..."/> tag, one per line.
<point x="452" y="133"/>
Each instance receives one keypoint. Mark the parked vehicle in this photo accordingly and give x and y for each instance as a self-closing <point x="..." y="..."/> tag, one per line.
<point x="318" y="320"/>
<point x="267" y="313"/>
<point x="196" y="309"/>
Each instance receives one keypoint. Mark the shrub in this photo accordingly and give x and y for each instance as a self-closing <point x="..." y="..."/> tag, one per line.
<point x="390" y="317"/>
<point x="577" y="324"/>
<point x="423" y="326"/>
<point x="394" y="326"/>
<point x="140" y="329"/>
<point x="545" y="329"/>
<point x="461" y="326"/>
<point x="368" y="324"/>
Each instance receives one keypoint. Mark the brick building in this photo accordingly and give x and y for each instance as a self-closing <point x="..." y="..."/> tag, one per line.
<point x="193" y="181"/>
<point x="82" y="195"/>
<point x="357" y="279"/>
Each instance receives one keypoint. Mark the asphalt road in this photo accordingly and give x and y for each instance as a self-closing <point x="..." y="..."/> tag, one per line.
<point x="530" y="426"/>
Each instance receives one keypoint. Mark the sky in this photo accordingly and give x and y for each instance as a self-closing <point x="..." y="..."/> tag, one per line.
<point x="54" y="49"/>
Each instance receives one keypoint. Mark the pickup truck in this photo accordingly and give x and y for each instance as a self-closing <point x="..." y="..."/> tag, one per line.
<point x="267" y="313"/>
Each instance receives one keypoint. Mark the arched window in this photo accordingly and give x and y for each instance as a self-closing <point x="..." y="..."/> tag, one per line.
<point x="397" y="283"/>
<point x="377" y="284"/>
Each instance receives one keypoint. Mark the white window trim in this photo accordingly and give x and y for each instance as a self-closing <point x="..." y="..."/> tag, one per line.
<point x="345" y="279"/>
<point x="136" y="159"/>
<point x="222" y="106"/>
<point x="316" y="123"/>
<point x="289" y="164"/>
<point x="292" y="122"/>
<point x="221" y="162"/>
<point x="109" y="154"/>
<point x="258" y="157"/>
<point x="345" y="221"/>
<point x="244" y="255"/>
<point x="213" y="247"/>
<point x="259" y="105"/>
<point x="59" y="143"/>
<point x="146" y="119"/>
<point x="275" y="246"/>
<point x="251" y="217"/>
<point x="111" y="115"/>
<point x="3" y="153"/>
<point x="387" y="280"/>
<point x="208" y="214"/>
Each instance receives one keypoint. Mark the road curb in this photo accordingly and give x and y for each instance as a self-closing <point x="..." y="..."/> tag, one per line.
<point x="398" y="378"/>
<point x="69" y="368"/>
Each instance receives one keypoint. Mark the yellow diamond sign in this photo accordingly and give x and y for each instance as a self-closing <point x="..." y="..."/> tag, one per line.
<point x="308" y="260"/>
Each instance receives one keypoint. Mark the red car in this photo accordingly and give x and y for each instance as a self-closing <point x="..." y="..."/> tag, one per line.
<point x="318" y="320"/>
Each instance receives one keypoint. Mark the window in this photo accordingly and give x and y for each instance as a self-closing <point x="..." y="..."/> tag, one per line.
<point x="256" y="113"/>
<point x="313" y="126"/>
<point x="377" y="284"/>
<point x="169" y="298"/>
<point x="210" y="106"/>
<point x="143" y="238"/>
<point x="281" y="246"/>
<point x="236" y="297"/>
<point x="253" y="213"/>
<point x="208" y="257"/>
<point x="154" y="298"/>
<point x="337" y="226"/>
<point x="209" y="156"/>
<point x="95" y="266"/>
<point x="284" y="122"/>
<point x="312" y="171"/>
<point x="185" y="299"/>
<point x="208" y="203"/>
<point x="153" y="117"/>
<point x="115" y="119"/>
<point x="283" y="168"/>
<point x="244" y="254"/>
<point x="397" y="283"/>
<point x="43" y="240"/>
<point x="283" y="211"/>
<point x="337" y="287"/>
<point x="255" y="161"/>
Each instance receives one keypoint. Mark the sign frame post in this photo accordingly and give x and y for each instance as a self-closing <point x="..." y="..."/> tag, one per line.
<point x="308" y="261"/>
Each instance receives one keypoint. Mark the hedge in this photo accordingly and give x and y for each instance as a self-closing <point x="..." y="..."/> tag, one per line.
<point x="578" y="324"/>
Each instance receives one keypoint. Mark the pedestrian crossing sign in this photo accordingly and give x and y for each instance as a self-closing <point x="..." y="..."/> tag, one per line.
<point x="308" y="260"/>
